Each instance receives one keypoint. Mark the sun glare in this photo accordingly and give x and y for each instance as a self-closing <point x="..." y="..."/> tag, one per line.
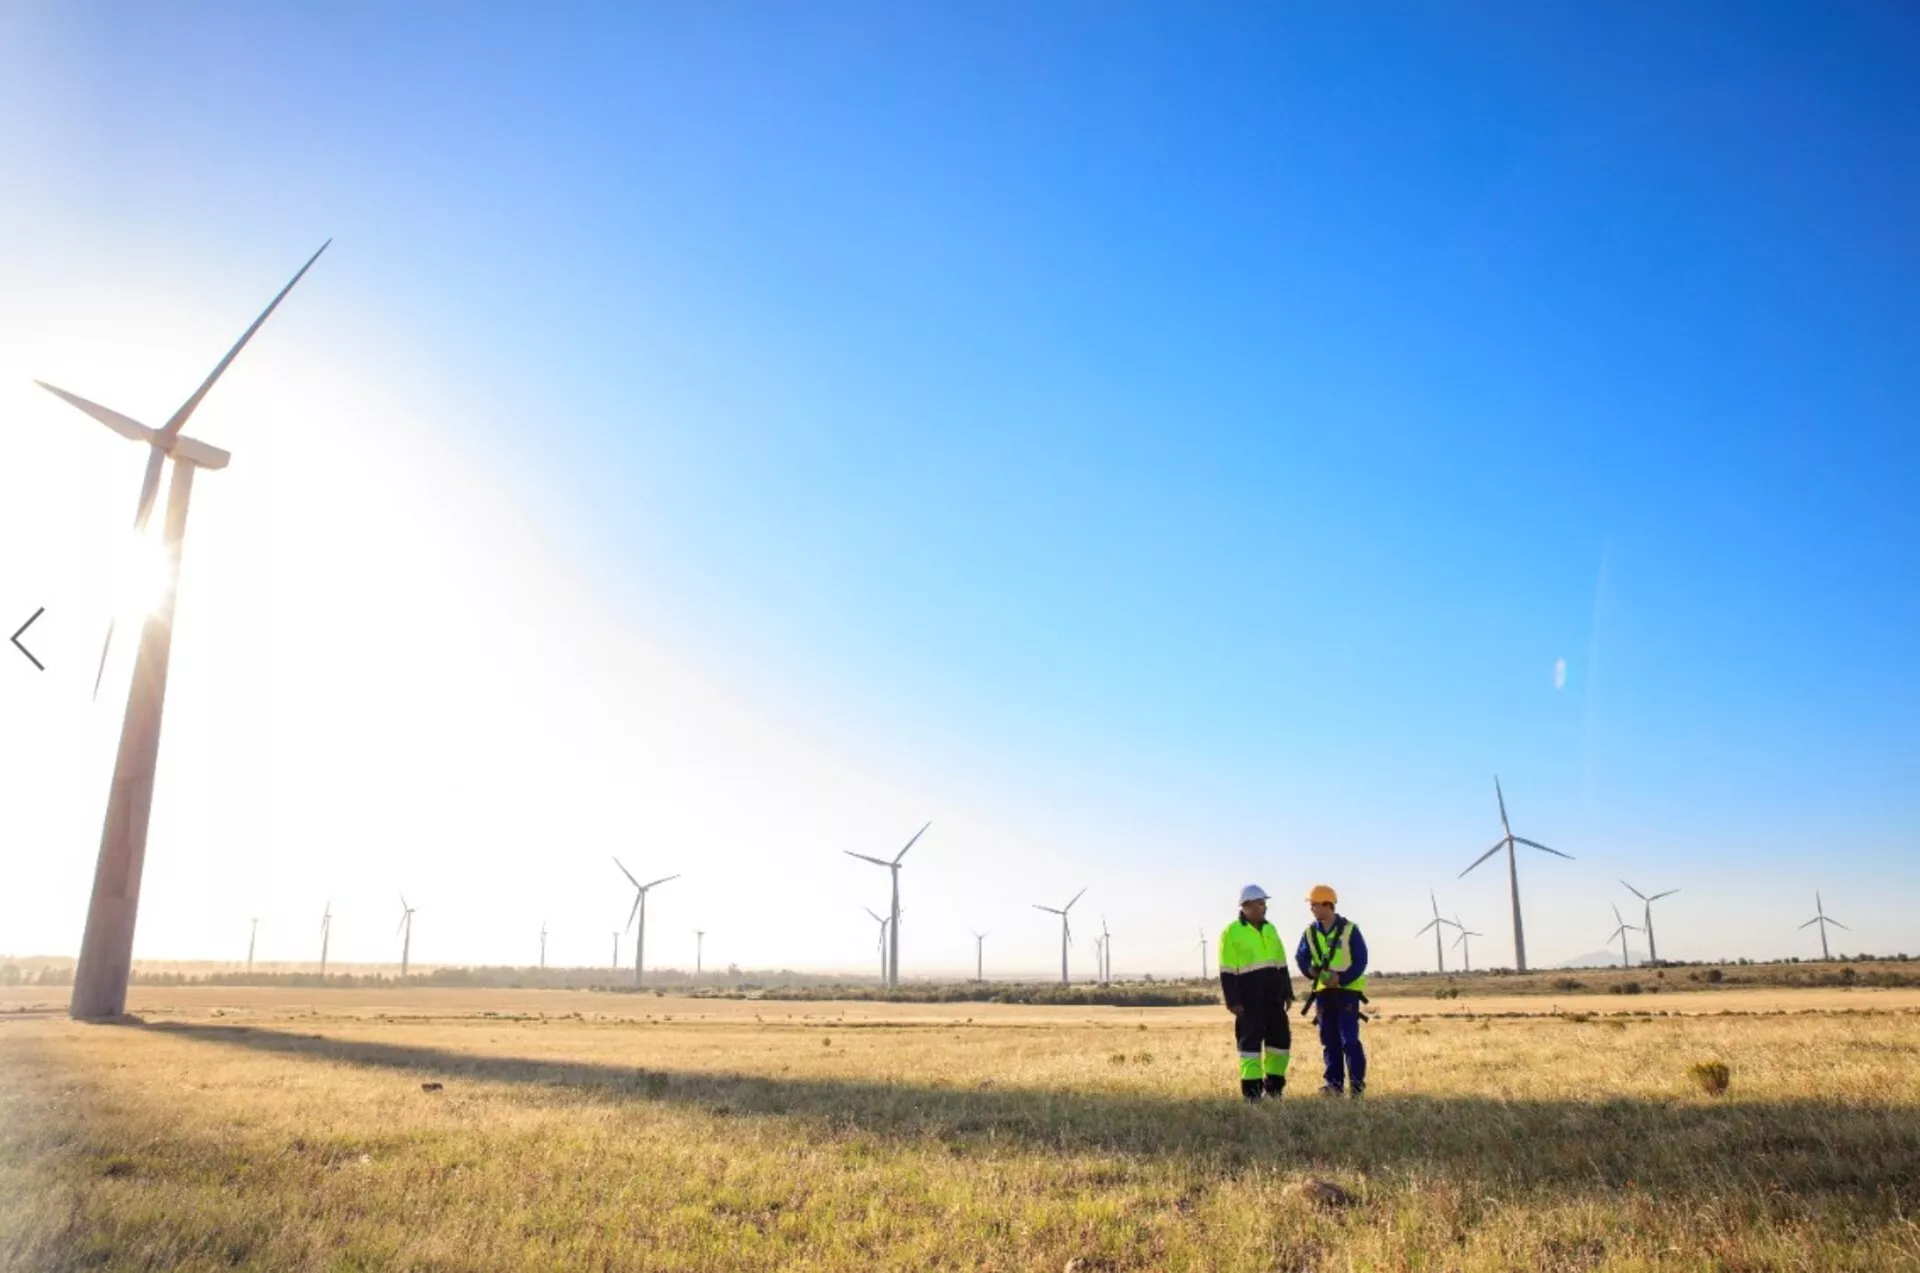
<point x="139" y="578"/>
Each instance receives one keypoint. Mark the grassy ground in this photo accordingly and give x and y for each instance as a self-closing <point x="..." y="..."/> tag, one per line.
<point x="671" y="1134"/>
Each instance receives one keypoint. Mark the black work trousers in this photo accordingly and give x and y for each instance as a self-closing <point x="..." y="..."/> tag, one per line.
<point x="1265" y="1038"/>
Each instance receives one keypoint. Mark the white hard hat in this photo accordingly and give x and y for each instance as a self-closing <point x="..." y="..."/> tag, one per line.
<point x="1252" y="893"/>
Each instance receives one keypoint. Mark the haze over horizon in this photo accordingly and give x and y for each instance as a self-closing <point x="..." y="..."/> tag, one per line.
<point x="1165" y="449"/>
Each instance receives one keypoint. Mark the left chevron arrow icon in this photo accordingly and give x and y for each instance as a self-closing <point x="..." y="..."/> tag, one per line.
<point x="15" y="638"/>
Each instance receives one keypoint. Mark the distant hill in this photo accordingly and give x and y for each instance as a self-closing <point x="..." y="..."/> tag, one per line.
<point x="1593" y="959"/>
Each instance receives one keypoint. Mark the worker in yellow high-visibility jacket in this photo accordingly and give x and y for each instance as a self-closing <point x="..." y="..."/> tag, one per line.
<point x="1259" y="991"/>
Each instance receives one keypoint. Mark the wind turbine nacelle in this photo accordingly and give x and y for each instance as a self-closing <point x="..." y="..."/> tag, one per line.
<point x="199" y="454"/>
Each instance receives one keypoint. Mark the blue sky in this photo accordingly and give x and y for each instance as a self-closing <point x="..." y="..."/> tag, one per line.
<point x="1188" y="436"/>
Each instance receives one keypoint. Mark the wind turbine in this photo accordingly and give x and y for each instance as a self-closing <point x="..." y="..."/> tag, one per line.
<point x="543" y="945"/>
<point x="106" y="951"/>
<point x="640" y="910"/>
<point x="1653" y="953"/>
<point x="1466" y="947"/>
<point x="251" y="934"/>
<point x="1821" y="918"/>
<point x="882" y="921"/>
<point x="1439" y="952"/>
<point x="699" y="946"/>
<point x="893" y="954"/>
<point x="615" y="965"/>
<point x="979" y="955"/>
<point x="1507" y="842"/>
<point x="406" y="927"/>
<point x="1066" y="930"/>
<point x="326" y="931"/>
<point x="1626" y="960"/>
<point x="1106" y="953"/>
<point x="1203" y="954"/>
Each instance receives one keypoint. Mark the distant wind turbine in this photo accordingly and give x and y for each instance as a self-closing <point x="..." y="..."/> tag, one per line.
<point x="1106" y="953"/>
<point x="1821" y="918"/>
<point x="1466" y="947"/>
<point x="979" y="955"/>
<point x="251" y="934"/>
<point x="640" y="910"/>
<point x="1066" y="930"/>
<point x="405" y="933"/>
<point x="543" y="945"/>
<point x="1203" y="954"/>
<point x="326" y="931"/>
<point x="1626" y="960"/>
<point x="1507" y="842"/>
<point x="1653" y="952"/>
<point x="892" y="977"/>
<point x="699" y="947"/>
<point x="882" y="921"/>
<point x="615" y="965"/>
<point x="1439" y="952"/>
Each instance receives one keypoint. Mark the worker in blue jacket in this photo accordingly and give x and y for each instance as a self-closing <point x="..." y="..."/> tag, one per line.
<point x="1332" y="955"/>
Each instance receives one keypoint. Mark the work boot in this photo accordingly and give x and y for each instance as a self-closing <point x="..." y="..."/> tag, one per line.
<point x="1357" y="1091"/>
<point x="1331" y="1090"/>
<point x="1274" y="1086"/>
<point x="1250" y="1089"/>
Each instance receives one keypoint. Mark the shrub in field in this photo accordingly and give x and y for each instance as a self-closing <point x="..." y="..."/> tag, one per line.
<point x="1566" y="983"/>
<point x="1626" y="988"/>
<point x="1715" y="976"/>
<point x="1712" y="1076"/>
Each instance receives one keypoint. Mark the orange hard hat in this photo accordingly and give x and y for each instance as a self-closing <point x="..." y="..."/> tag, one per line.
<point x="1323" y="893"/>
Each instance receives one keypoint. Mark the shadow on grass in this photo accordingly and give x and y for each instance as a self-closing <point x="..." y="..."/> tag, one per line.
<point x="1672" y="1148"/>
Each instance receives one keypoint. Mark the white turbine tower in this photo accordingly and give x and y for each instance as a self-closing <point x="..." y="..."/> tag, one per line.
<point x="326" y="931"/>
<point x="979" y="955"/>
<point x="1203" y="954"/>
<point x="640" y="910"/>
<point x="1106" y="953"/>
<point x="615" y="965"/>
<point x="405" y="933"/>
<point x="1507" y="841"/>
<point x="252" y="933"/>
<point x="699" y="949"/>
<point x="893" y="950"/>
<point x="106" y="950"/>
<point x="1439" y="952"/>
<point x="1821" y="918"/>
<point x="1626" y="960"/>
<point x="1653" y="952"/>
<point x="1466" y="947"/>
<point x="1066" y="930"/>
<point x="882" y="921"/>
<point x="543" y="945"/>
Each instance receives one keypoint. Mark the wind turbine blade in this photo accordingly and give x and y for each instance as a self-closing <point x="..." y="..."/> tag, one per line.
<point x="100" y="672"/>
<point x="663" y="879"/>
<point x="1076" y="897"/>
<point x="1810" y="923"/>
<point x="1535" y="844"/>
<point x="1051" y="910"/>
<point x="1636" y="892"/>
<point x="910" y="843"/>
<point x="126" y="426"/>
<point x="403" y="902"/>
<point x="1617" y="918"/>
<point x="1432" y="923"/>
<point x="864" y="858"/>
<point x="171" y="429"/>
<point x="1836" y="923"/>
<point x="624" y="871"/>
<point x="1501" y="796"/>
<point x="1657" y="896"/>
<point x="635" y="911"/>
<point x="1483" y="857"/>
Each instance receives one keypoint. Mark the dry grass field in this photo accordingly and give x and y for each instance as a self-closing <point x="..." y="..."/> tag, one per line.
<point x="266" y="1129"/>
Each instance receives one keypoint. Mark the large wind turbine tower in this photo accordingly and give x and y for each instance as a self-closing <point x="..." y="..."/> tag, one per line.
<point x="1066" y="930"/>
<point x="1653" y="952"/>
<point x="405" y="933"/>
<point x="1507" y="841"/>
<point x="1821" y="918"/>
<point x="1439" y="952"/>
<point x="1626" y="960"/>
<point x="252" y="933"/>
<point x="640" y="910"/>
<point x="106" y="950"/>
<point x="326" y="931"/>
<point x="893" y="950"/>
